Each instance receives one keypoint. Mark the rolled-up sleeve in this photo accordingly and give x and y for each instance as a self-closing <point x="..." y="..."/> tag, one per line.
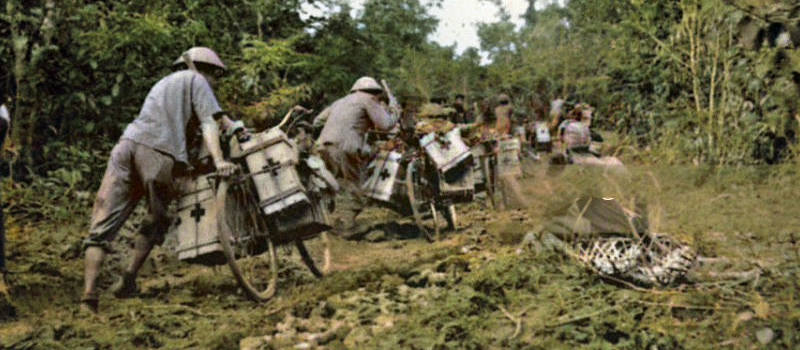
<point x="381" y="119"/>
<point x="203" y="100"/>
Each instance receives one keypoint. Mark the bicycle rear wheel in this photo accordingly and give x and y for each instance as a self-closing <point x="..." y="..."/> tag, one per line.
<point x="489" y="180"/>
<point x="421" y="208"/>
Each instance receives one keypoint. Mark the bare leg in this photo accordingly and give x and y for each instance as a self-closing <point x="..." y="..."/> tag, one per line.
<point x="142" y="249"/>
<point x="126" y="287"/>
<point x="94" y="261"/>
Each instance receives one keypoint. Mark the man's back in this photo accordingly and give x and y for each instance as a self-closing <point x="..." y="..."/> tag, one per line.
<point x="167" y="110"/>
<point x="350" y="117"/>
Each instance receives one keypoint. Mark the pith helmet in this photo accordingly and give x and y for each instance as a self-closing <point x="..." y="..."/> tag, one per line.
<point x="503" y="98"/>
<point x="201" y="55"/>
<point x="366" y="84"/>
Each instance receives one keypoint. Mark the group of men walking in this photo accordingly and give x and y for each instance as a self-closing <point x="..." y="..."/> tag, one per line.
<point x="181" y="115"/>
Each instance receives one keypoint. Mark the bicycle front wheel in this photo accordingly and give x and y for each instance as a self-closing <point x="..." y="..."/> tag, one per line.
<point x="244" y="237"/>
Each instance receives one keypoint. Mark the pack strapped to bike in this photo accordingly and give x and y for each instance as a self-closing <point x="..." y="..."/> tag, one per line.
<point x="448" y="152"/>
<point x="481" y="153"/>
<point x="453" y="161"/>
<point x="542" y="132"/>
<point x="508" y="161"/>
<point x="195" y="225"/>
<point x="383" y="172"/>
<point x="272" y="160"/>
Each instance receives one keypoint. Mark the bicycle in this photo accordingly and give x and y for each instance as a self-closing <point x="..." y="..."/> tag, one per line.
<point x="431" y="176"/>
<point x="277" y="199"/>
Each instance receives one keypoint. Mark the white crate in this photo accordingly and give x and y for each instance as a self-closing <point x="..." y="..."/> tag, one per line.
<point x="272" y="159"/>
<point x="508" y="158"/>
<point x="196" y="225"/>
<point x="447" y="152"/>
<point x="383" y="172"/>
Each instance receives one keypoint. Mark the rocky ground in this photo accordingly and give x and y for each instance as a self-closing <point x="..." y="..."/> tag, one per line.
<point x="483" y="286"/>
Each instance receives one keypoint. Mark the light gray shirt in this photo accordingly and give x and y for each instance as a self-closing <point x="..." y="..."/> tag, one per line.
<point x="167" y="110"/>
<point x="349" y="118"/>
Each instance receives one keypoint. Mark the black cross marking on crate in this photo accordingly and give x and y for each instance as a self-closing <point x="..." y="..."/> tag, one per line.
<point x="384" y="174"/>
<point x="272" y="166"/>
<point x="197" y="212"/>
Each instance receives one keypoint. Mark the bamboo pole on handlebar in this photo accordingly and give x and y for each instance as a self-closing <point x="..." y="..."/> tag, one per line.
<point x="286" y="118"/>
<point x="392" y="99"/>
<point x="393" y="104"/>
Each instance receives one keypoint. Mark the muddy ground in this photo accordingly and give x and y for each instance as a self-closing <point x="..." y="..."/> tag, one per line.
<point x="482" y="287"/>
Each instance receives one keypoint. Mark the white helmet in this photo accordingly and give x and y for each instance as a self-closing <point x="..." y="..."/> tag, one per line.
<point x="366" y="84"/>
<point x="200" y="54"/>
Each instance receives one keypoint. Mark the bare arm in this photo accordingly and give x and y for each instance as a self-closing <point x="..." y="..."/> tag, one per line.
<point x="206" y="106"/>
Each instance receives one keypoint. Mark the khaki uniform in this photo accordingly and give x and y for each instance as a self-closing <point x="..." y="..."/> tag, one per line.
<point x="134" y="171"/>
<point x="150" y="150"/>
<point x="342" y="143"/>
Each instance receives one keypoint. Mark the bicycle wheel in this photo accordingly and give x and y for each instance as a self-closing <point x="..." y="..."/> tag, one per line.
<point x="308" y="260"/>
<point x="421" y="208"/>
<point x="244" y="237"/>
<point x="319" y="253"/>
<point x="489" y="181"/>
<point x="323" y="206"/>
<point x="451" y="216"/>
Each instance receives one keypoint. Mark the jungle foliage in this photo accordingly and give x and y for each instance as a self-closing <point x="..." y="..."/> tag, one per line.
<point x="709" y="81"/>
<point x="77" y="71"/>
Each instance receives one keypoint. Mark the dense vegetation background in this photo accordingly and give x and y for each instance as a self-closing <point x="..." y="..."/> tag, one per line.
<point x="712" y="83"/>
<point x="703" y="81"/>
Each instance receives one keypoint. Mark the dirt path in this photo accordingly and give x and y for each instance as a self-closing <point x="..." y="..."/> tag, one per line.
<point x="475" y="289"/>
